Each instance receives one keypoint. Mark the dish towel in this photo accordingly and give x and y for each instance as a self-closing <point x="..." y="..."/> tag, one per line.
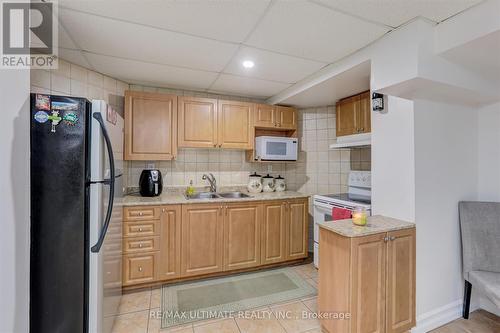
<point x="341" y="213"/>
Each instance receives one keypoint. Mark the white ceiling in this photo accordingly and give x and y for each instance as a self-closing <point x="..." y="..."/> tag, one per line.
<point x="351" y="82"/>
<point x="200" y="45"/>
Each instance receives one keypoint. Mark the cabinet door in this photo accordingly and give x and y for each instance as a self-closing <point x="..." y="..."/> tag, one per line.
<point x="170" y="243"/>
<point x="364" y="113"/>
<point x="150" y="126"/>
<point x="242" y="235"/>
<point x="297" y="229"/>
<point x="273" y="232"/>
<point x="140" y="268"/>
<point x="368" y="264"/>
<point x="287" y="117"/>
<point x="235" y="125"/>
<point x="197" y="122"/>
<point x="346" y="116"/>
<point x="201" y="239"/>
<point x="401" y="281"/>
<point x="265" y="116"/>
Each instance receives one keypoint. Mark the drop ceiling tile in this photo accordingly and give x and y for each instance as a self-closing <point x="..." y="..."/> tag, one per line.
<point x="246" y="86"/>
<point x="151" y="74"/>
<point x="308" y="30"/>
<point x="73" y="56"/>
<point x="222" y="20"/>
<point x="272" y="66"/>
<point x="396" y="12"/>
<point x="126" y="40"/>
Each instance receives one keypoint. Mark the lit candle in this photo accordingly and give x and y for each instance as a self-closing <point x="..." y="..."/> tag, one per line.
<point x="359" y="216"/>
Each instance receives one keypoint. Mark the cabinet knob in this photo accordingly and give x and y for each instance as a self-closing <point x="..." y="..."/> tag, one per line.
<point x="140" y="268"/>
<point x="163" y="210"/>
<point x="392" y="238"/>
<point x="140" y="245"/>
<point x="386" y="239"/>
<point x="140" y="229"/>
<point x="141" y="213"/>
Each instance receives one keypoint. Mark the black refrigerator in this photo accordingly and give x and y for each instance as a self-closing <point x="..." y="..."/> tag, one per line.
<point x="61" y="180"/>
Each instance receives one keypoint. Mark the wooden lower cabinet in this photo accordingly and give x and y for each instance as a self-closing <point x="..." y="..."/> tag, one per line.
<point x="163" y="243"/>
<point x="372" y="278"/>
<point x="169" y="266"/>
<point x="273" y="232"/>
<point x="400" y="281"/>
<point x="202" y="239"/>
<point x="140" y="268"/>
<point x="242" y="223"/>
<point x="297" y="224"/>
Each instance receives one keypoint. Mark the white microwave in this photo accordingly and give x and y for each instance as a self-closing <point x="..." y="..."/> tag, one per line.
<point x="275" y="148"/>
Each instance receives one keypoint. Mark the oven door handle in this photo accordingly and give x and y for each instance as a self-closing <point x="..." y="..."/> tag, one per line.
<point x="329" y="205"/>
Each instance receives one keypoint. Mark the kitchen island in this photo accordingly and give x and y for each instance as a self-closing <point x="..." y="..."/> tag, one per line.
<point x="367" y="276"/>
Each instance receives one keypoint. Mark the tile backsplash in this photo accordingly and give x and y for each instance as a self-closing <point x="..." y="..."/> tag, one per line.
<point x="318" y="169"/>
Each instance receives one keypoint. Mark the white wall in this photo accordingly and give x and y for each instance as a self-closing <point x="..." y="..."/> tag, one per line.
<point x="14" y="200"/>
<point x="446" y="141"/>
<point x="393" y="160"/>
<point x="489" y="153"/>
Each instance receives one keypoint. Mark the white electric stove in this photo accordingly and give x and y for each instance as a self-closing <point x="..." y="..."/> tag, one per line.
<point x="358" y="195"/>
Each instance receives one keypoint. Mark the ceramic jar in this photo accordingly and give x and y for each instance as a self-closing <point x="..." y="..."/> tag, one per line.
<point x="279" y="184"/>
<point x="254" y="183"/>
<point x="268" y="183"/>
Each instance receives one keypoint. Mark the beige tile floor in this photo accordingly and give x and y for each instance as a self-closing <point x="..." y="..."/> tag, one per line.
<point x="134" y="314"/>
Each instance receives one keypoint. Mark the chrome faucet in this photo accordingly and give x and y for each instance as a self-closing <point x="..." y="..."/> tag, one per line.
<point x="211" y="179"/>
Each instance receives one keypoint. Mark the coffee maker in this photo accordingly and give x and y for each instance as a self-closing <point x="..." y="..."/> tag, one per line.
<point x="150" y="183"/>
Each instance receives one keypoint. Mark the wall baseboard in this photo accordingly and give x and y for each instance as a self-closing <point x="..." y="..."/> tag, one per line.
<point x="439" y="317"/>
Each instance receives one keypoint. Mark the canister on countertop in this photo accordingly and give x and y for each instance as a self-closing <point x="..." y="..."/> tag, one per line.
<point x="279" y="184"/>
<point x="268" y="183"/>
<point x="254" y="183"/>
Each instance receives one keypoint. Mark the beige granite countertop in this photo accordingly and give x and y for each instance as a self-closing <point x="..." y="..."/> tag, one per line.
<point x="172" y="198"/>
<point x="375" y="224"/>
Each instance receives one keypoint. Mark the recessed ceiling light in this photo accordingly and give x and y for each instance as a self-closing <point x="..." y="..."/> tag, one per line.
<point x="248" y="64"/>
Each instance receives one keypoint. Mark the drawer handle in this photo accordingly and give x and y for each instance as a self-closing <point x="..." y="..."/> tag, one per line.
<point x="140" y="229"/>
<point x="140" y="269"/>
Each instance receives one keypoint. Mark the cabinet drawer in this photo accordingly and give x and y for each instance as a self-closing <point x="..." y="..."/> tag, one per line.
<point x="141" y="213"/>
<point x="141" y="229"/>
<point x="140" y="268"/>
<point x="141" y="244"/>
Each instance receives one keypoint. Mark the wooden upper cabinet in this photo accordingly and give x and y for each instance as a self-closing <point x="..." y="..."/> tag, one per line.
<point x="401" y="281"/>
<point x="235" y="124"/>
<point x="150" y="126"/>
<point x="368" y="283"/>
<point x="273" y="226"/>
<point x="197" y="125"/>
<point x="354" y="115"/>
<point x="287" y="117"/>
<point x="265" y="115"/>
<point x="297" y="229"/>
<point x="346" y="116"/>
<point x="276" y="117"/>
<point x="202" y="239"/>
<point x="242" y="235"/>
<point x="364" y="115"/>
<point x="170" y="243"/>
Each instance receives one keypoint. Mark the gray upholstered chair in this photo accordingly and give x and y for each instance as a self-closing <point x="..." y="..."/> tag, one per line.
<point x="480" y="226"/>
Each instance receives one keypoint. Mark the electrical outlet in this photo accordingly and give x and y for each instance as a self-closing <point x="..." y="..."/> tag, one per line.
<point x="150" y="165"/>
<point x="269" y="168"/>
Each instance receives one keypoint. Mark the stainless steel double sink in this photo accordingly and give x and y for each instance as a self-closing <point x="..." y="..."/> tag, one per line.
<point x="212" y="195"/>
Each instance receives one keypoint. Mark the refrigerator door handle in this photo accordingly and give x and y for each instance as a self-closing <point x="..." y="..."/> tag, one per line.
<point x="111" y="183"/>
